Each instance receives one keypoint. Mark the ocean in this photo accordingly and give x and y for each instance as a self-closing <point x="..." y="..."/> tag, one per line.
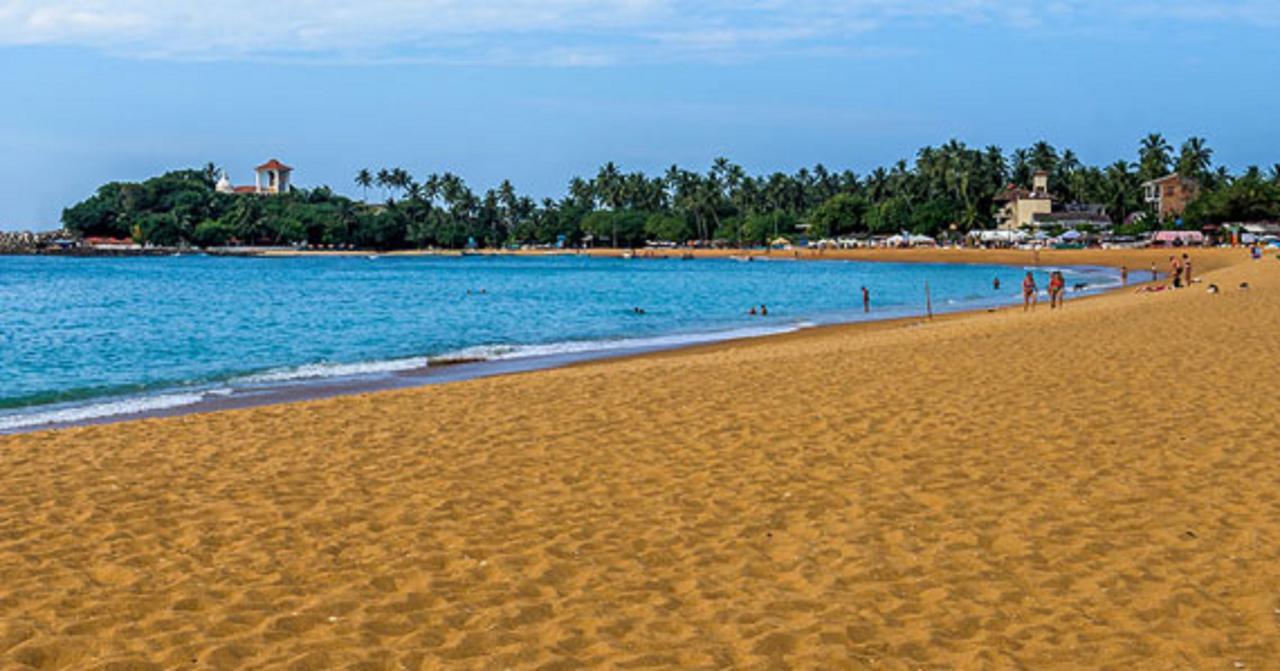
<point x="93" y="339"/>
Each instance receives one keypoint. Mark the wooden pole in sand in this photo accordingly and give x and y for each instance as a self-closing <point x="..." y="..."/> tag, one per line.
<point x="928" y="300"/>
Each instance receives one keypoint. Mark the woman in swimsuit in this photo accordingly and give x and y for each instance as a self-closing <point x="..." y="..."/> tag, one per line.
<point x="1028" y="292"/>
<point x="1057" y="284"/>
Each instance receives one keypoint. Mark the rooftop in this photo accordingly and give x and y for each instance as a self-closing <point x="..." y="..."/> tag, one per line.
<point x="273" y="164"/>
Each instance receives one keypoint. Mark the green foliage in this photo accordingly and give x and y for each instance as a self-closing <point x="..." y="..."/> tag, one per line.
<point x="625" y="228"/>
<point x="212" y="233"/>
<point x="1248" y="198"/>
<point x="889" y="216"/>
<point x="162" y="228"/>
<point x="761" y="229"/>
<point x="843" y="214"/>
<point x="951" y="185"/>
<point x="934" y="216"/>
<point x="667" y="227"/>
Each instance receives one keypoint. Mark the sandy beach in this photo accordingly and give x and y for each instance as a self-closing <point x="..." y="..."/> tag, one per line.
<point x="1095" y="487"/>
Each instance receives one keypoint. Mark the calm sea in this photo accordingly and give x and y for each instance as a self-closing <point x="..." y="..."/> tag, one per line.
<point x="85" y="339"/>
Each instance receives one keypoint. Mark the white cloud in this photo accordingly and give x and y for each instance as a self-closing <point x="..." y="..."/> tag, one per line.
<point x="541" y="32"/>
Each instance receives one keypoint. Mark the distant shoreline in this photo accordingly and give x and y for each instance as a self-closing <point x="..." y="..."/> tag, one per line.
<point x="446" y="371"/>
<point x="964" y="255"/>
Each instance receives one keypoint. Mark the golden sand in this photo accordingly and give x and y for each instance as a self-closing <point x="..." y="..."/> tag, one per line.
<point x="1096" y="487"/>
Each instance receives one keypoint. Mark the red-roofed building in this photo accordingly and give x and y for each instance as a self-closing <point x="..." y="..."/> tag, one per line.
<point x="272" y="178"/>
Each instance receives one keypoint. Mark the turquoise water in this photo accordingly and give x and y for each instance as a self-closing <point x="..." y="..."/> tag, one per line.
<point x="88" y="338"/>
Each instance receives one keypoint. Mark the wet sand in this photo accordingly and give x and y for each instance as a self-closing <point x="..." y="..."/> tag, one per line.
<point x="1087" y="488"/>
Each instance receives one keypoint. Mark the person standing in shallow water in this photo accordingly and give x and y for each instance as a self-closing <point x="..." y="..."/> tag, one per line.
<point x="1154" y="275"/>
<point x="866" y="300"/>
<point x="1124" y="275"/>
<point x="995" y="284"/>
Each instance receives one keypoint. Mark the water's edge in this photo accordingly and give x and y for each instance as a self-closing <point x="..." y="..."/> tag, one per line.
<point x="320" y="381"/>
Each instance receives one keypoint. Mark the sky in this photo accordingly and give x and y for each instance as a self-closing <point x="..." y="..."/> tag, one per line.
<point x="538" y="91"/>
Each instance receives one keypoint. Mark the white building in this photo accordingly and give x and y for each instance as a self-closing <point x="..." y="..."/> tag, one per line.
<point x="270" y="178"/>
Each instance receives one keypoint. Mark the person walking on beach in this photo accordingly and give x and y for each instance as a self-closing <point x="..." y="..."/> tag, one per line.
<point x="1029" y="289"/>
<point x="866" y="300"/>
<point x="1175" y="271"/>
<point x="1186" y="270"/>
<point x="1057" y="287"/>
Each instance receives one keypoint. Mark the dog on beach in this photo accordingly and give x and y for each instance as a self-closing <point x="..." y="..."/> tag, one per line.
<point x="1213" y="288"/>
<point x="1244" y="286"/>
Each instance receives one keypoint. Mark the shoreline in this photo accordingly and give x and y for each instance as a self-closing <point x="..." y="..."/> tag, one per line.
<point x="1079" y="488"/>
<point x="177" y="401"/>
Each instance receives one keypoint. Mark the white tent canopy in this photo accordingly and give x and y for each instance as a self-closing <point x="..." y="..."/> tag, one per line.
<point x="999" y="236"/>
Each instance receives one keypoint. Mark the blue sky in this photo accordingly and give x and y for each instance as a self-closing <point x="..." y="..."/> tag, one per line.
<point x="541" y="90"/>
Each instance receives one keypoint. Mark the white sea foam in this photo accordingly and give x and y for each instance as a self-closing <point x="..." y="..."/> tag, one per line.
<point x="134" y="405"/>
<point x="315" y="371"/>
<point x="511" y="352"/>
<point x="116" y="407"/>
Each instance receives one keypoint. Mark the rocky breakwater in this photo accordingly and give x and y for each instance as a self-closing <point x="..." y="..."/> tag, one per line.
<point x="26" y="242"/>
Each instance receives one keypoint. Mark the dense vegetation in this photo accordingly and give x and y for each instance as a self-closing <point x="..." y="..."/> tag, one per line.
<point x="947" y="188"/>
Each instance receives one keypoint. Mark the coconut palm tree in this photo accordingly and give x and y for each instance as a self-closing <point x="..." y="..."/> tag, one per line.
<point x="1043" y="156"/>
<point x="1154" y="157"/>
<point x="1195" y="158"/>
<point x="364" y="179"/>
<point x="384" y="180"/>
<point x="1020" y="168"/>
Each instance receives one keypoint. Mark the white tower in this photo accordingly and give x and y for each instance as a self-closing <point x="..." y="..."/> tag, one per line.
<point x="273" y="177"/>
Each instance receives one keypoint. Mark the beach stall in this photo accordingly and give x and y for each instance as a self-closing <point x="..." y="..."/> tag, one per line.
<point x="999" y="237"/>
<point x="1178" y="238"/>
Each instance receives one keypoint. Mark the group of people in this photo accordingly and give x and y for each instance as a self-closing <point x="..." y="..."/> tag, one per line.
<point x="1031" y="291"/>
<point x="763" y="311"/>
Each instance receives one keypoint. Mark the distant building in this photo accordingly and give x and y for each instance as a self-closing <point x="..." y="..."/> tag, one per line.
<point x="1171" y="194"/>
<point x="1074" y="216"/>
<point x="271" y="178"/>
<point x="1018" y="207"/>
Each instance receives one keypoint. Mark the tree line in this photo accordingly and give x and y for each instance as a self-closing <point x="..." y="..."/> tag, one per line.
<point x="952" y="187"/>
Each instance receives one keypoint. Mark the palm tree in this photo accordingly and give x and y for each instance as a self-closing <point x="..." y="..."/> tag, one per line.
<point x="384" y="180"/>
<point x="1043" y="156"/>
<point x="608" y="185"/>
<point x="364" y="179"/>
<point x="1153" y="157"/>
<point x="401" y="179"/>
<point x="581" y="193"/>
<point x="1020" y="168"/>
<point x="1195" y="158"/>
<point x="1121" y="191"/>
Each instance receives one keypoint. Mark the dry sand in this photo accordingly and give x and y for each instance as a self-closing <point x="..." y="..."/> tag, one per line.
<point x="1092" y="488"/>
